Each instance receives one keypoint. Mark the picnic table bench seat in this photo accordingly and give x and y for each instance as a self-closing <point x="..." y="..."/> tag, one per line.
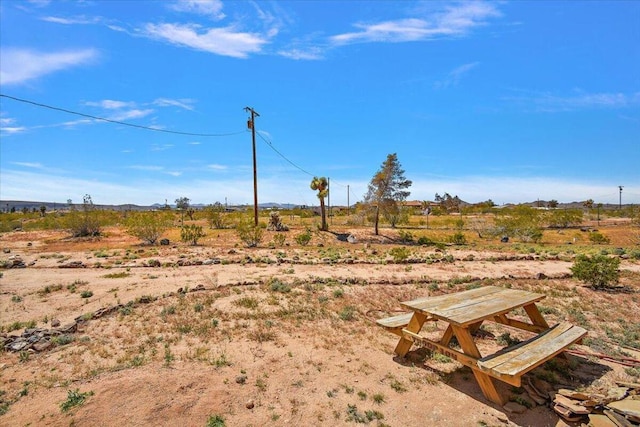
<point x="510" y="364"/>
<point x="394" y="324"/>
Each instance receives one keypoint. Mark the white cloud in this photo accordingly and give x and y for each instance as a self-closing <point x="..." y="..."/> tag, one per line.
<point x="313" y="53"/>
<point x="83" y="20"/>
<point x="211" y="8"/>
<point x="453" y="78"/>
<point x="453" y="21"/>
<point x="546" y="102"/>
<point x="149" y="168"/>
<point x="131" y="114"/>
<point x="163" y="147"/>
<point x="28" y="165"/>
<point x="221" y="41"/>
<point x="182" y="103"/>
<point x="21" y="65"/>
<point x="111" y="104"/>
<point x="217" y="167"/>
<point x="7" y="126"/>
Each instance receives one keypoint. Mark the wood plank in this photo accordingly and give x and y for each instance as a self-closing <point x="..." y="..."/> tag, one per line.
<point x="400" y="320"/>
<point x="436" y="346"/>
<point x="468" y="307"/>
<point x="521" y="358"/>
<point x="415" y="324"/>
<point x="535" y="315"/>
<point x="503" y="319"/>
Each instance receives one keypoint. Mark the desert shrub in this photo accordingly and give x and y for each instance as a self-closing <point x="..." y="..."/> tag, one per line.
<point x="249" y="233"/>
<point x="522" y="222"/>
<point x="191" y="234"/>
<point x="399" y="253"/>
<point x="148" y="226"/>
<point x="424" y="240"/>
<point x="563" y="218"/>
<point x="458" y="239"/>
<point x="216" y="215"/>
<point x="74" y="398"/>
<point x="405" y="236"/>
<point x="303" y="239"/>
<point x="599" y="271"/>
<point x="84" y="222"/>
<point x="279" y="239"/>
<point x="598" y="238"/>
<point x="216" y="421"/>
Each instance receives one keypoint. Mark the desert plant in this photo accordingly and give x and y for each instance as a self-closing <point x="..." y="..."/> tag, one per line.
<point x="215" y="215"/>
<point x="321" y="185"/>
<point x="249" y="233"/>
<point x="598" y="238"/>
<point x="279" y="239"/>
<point x="458" y="238"/>
<point x="275" y="222"/>
<point x="303" y="239"/>
<point x="191" y="234"/>
<point x="74" y="398"/>
<point x="399" y="253"/>
<point x="215" y="421"/>
<point x="148" y="226"/>
<point x="86" y="222"/>
<point x="599" y="271"/>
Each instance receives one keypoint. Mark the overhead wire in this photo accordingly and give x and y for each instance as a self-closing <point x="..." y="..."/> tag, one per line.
<point x="104" y="119"/>
<point x="270" y="144"/>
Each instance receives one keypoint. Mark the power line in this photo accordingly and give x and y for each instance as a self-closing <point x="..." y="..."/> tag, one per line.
<point x="270" y="144"/>
<point x="64" y="110"/>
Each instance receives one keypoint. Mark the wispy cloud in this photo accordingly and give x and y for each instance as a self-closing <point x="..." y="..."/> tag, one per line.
<point x="76" y="20"/>
<point x="217" y="167"/>
<point x="310" y="53"/>
<point x="210" y="8"/>
<point x="551" y="103"/>
<point x="453" y="78"/>
<point x="21" y="65"/>
<point x="226" y="41"/>
<point x="110" y="104"/>
<point x="149" y="168"/>
<point x="7" y="126"/>
<point x="131" y="114"/>
<point x="456" y="20"/>
<point x="161" y="147"/>
<point x="28" y="165"/>
<point x="181" y="103"/>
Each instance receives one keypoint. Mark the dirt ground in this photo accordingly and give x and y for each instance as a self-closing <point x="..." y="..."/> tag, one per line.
<point x="281" y="336"/>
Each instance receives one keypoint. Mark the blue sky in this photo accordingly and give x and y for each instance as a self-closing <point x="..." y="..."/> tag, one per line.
<point x="512" y="101"/>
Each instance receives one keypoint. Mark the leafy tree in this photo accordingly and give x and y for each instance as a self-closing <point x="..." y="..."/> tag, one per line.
<point x="148" y="226"/>
<point x="394" y="213"/>
<point x="191" y="234"/>
<point x="215" y="215"/>
<point x="321" y="185"/>
<point x="449" y="203"/>
<point x="43" y="210"/>
<point x="387" y="187"/>
<point x="588" y="204"/>
<point x="599" y="271"/>
<point x="552" y="204"/>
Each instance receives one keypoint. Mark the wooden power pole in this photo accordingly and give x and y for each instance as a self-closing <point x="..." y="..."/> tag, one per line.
<point x="251" y="125"/>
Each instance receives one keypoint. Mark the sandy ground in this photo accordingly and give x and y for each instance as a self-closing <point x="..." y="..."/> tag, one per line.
<point x="257" y="354"/>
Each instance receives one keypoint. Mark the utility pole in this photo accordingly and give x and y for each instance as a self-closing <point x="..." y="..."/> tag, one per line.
<point x="251" y="125"/>
<point x="348" y="206"/>
<point x="329" y="198"/>
<point x="620" y="202"/>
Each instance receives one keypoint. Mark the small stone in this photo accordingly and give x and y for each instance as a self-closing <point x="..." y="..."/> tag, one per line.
<point x="164" y="242"/>
<point x="241" y="379"/>
<point x="249" y="404"/>
<point x="55" y="323"/>
<point x="515" y="408"/>
<point x="6" y="250"/>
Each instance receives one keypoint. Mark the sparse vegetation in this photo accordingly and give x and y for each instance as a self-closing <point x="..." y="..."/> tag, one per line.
<point x="599" y="271"/>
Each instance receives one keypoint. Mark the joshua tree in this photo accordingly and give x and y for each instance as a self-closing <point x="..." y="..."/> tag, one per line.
<point x="322" y="186"/>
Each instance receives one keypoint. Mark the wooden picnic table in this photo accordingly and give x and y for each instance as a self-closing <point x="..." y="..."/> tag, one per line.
<point x="465" y="312"/>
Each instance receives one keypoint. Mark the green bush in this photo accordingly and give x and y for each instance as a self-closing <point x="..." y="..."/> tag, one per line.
<point x="249" y="233"/>
<point x="148" y="226"/>
<point x="598" y="238"/>
<point x="399" y="253"/>
<point x="599" y="271"/>
<point x="458" y="239"/>
<point x="191" y="234"/>
<point x="303" y="239"/>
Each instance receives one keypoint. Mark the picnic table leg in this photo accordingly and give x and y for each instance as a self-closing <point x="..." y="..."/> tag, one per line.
<point x="535" y="316"/>
<point x="485" y="382"/>
<point x="415" y="324"/>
